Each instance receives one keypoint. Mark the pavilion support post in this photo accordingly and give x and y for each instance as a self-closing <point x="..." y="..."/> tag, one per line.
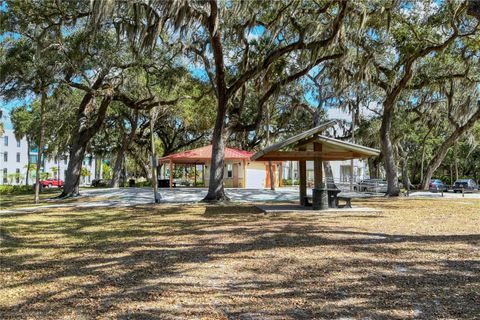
<point x="195" y="174"/>
<point x="319" y="196"/>
<point x="302" y="166"/>
<point x="280" y="174"/>
<point x="317" y="168"/>
<point x="171" y="174"/>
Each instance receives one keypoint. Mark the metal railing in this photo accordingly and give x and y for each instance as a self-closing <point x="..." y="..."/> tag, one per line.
<point x="359" y="186"/>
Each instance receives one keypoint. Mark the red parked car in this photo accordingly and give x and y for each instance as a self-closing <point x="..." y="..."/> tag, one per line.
<point x="49" y="183"/>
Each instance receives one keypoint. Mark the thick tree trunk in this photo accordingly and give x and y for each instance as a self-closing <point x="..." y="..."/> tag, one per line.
<point x="117" y="168"/>
<point x="40" y="145"/>
<point x="434" y="164"/>
<point x="72" y="178"/>
<point x="126" y="141"/>
<point x="216" y="192"/>
<point x="387" y="151"/>
<point x="372" y="168"/>
<point x="79" y="145"/>
<point x="442" y="151"/>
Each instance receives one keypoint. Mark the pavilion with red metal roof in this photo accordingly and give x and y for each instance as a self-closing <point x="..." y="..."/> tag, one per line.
<point x="202" y="154"/>
<point x="237" y="163"/>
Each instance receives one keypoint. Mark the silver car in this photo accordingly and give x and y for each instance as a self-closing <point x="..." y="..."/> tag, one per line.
<point x="465" y="185"/>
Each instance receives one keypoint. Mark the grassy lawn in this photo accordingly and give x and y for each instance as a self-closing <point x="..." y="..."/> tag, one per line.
<point x="416" y="259"/>
<point x="17" y="201"/>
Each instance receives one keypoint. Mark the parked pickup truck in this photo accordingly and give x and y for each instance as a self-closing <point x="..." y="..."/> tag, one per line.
<point x="50" y="183"/>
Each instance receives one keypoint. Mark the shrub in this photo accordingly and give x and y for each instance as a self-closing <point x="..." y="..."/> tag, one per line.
<point x="9" y="189"/>
<point x="100" y="183"/>
<point x="288" y="182"/>
<point x="140" y="184"/>
<point x="23" y="189"/>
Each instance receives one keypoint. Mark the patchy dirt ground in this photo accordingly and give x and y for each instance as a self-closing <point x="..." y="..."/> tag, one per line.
<point x="416" y="259"/>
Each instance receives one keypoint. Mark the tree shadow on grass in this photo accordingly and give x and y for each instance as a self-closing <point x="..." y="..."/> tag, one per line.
<point x="169" y="262"/>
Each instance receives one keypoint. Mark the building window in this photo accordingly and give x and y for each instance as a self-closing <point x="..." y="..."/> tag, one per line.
<point x="229" y="170"/>
<point x="5" y="173"/>
<point x="18" y="143"/>
<point x="33" y="159"/>
<point x="5" y="141"/>
<point x="17" y="176"/>
<point x="18" y="156"/>
<point x="5" y="156"/>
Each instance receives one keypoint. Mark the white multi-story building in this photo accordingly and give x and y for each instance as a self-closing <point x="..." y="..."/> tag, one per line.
<point x="14" y="156"/>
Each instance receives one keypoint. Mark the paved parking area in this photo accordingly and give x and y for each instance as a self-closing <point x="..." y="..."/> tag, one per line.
<point x="123" y="197"/>
<point x="132" y="196"/>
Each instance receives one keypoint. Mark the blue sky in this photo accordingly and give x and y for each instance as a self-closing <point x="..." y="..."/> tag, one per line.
<point x="7" y="106"/>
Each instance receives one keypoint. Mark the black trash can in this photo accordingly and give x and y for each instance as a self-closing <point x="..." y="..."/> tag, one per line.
<point x="131" y="183"/>
<point x="319" y="199"/>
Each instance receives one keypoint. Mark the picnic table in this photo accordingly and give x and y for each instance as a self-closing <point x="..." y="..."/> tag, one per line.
<point x="333" y="198"/>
